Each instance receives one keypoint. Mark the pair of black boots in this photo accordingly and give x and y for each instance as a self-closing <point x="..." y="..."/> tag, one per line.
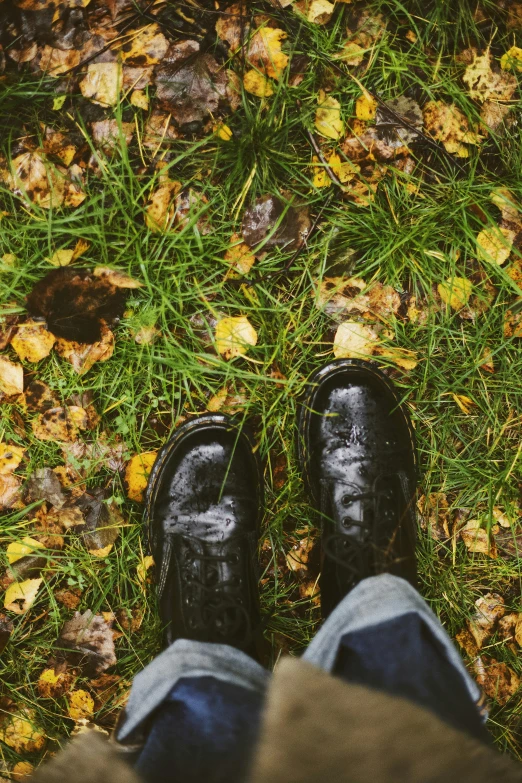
<point x="205" y="503"/>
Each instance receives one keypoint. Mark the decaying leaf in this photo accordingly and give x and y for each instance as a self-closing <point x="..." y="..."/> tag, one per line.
<point x="71" y="599"/>
<point x="512" y="59"/>
<point x="10" y="457"/>
<point x="455" y="292"/>
<point x="269" y="223"/>
<point x="33" y="341"/>
<point x="513" y="320"/>
<point x="354" y="340"/>
<point x="234" y="336"/>
<point x="9" y="490"/>
<point x="137" y="474"/>
<point x="141" y="571"/>
<point x="43" y="484"/>
<point x="328" y="120"/>
<point x="148" y="46"/>
<point x="477" y="539"/>
<point x="485" y="84"/>
<point x="86" y="640"/>
<point x="11" y="377"/>
<point x="264" y="51"/>
<point x="161" y="208"/>
<point x="60" y="424"/>
<point x="6" y="629"/>
<point x="82" y="356"/>
<point x="116" y="278"/>
<point x="18" y="549"/>
<point x="239" y="255"/>
<point x="54" y="684"/>
<point x="494" y="244"/>
<point x="227" y="400"/>
<point x="101" y="522"/>
<point x="447" y="124"/>
<point x="434" y="510"/>
<point x="340" y="297"/>
<point x="496" y="679"/>
<point x="258" y="84"/>
<point x="81" y="705"/>
<point x="297" y="558"/>
<point x="102" y="83"/>
<point x="20" y="596"/>
<point x="35" y="180"/>
<point x="21" y="732"/>
<point x="489" y="609"/>
<point x="39" y="397"/>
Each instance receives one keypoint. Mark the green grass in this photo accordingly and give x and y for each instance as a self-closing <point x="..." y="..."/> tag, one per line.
<point x="404" y="240"/>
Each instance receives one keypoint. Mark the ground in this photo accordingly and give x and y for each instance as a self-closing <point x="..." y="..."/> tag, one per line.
<point x="391" y="232"/>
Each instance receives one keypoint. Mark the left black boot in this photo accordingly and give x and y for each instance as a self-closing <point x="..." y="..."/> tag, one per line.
<point x="204" y="502"/>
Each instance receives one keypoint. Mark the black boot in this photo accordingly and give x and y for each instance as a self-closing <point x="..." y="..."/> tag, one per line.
<point x="204" y="501"/>
<point x="357" y="451"/>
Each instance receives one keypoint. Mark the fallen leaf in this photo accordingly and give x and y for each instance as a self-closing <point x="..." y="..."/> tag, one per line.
<point x="82" y="356"/>
<point x="140" y="99"/>
<point x="56" y="62"/>
<point x="477" y="539"/>
<point x="264" y="51"/>
<point x="161" y="207"/>
<point x="485" y="84"/>
<point x="402" y="357"/>
<point x="11" y="377"/>
<point x="506" y="202"/>
<point x="297" y="558"/>
<point x="22" y="769"/>
<point x="146" y="335"/>
<point x="328" y="120"/>
<point x="365" y="107"/>
<point x="234" y="335"/>
<point x="6" y="629"/>
<point x="137" y="474"/>
<point x="489" y="609"/>
<point x="101" y="522"/>
<point x="500" y="516"/>
<point x="494" y="244"/>
<point x="464" y="402"/>
<point x="142" y="568"/>
<point x="388" y="123"/>
<point x="447" y="124"/>
<point x="33" y="341"/>
<point x="9" y="490"/>
<point x="37" y="181"/>
<point x="86" y="641"/>
<point x="39" y="397"/>
<point x="69" y="598"/>
<point x="54" y="684"/>
<point x="110" y="134"/>
<point x="10" y="457"/>
<point x="228" y="401"/>
<point x="258" y="84"/>
<point x="21" y="732"/>
<point x="434" y="510"/>
<point x="81" y="705"/>
<point x="455" y="292"/>
<point x="102" y="83"/>
<point x="352" y="54"/>
<point x="513" y="320"/>
<point x="147" y="47"/>
<point x="495" y="115"/>
<point x="43" y="484"/>
<point x="18" y="549"/>
<point x="61" y="257"/>
<point x="512" y="59"/>
<point x="239" y="256"/>
<point x="20" y="596"/>
<point x="496" y="679"/>
<point x="466" y="641"/>
<point x="354" y="340"/>
<point x="266" y="225"/>
<point x="60" y="424"/>
<point x="116" y="278"/>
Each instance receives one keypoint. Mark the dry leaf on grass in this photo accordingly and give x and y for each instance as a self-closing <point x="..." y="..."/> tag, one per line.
<point x="447" y="124"/>
<point x="101" y="522"/>
<point x="234" y="336"/>
<point x="489" y="609"/>
<point x="328" y="120"/>
<point x="71" y="599"/>
<point x="455" y="292"/>
<point x="354" y="340"/>
<point x="33" y="341"/>
<point x="37" y="181"/>
<point x="81" y="705"/>
<point x="477" y="539"/>
<point x="496" y="679"/>
<point x="142" y="568"/>
<point x="20" y="596"/>
<point x="494" y="244"/>
<point x="11" y="377"/>
<point x="54" y="684"/>
<point x="137" y="474"/>
<point x="86" y="640"/>
<point x="512" y="59"/>
<point x="20" y="731"/>
<point x="10" y="457"/>
<point x="102" y="83"/>
<point x="61" y="257"/>
<point x="434" y="510"/>
<point x="18" y="549"/>
<point x="60" y="424"/>
<point x="485" y="84"/>
<point x="513" y="320"/>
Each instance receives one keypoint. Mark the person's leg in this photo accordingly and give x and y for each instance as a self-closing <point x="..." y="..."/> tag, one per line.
<point x="384" y="635"/>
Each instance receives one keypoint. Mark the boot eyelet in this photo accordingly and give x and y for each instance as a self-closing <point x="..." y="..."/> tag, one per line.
<point x="346" y="500"/>
<point x="233" y="558"/>
<point x="347" y="522"/>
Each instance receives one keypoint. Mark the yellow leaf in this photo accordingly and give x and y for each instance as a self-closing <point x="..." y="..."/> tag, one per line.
<point x="147" y="47"/>
<point x="354" y="340"/>
<point x="137" y="474"/>
<point x="20" y="596"/>
<point x="21" y="770"/>
<point x="223" y="132"/>
<point x="506" y="202"/>
<point x="328" y="120"/>
<point x="257" y="84"/>
<point x="117" y="278"/>
<point x="477" y="539"/>
<point x="60" y="424"/>
<point x="365" y="107"/>
<point x="11" y="377"/>
<point x="143" y="567"/>
<point x="33" y="341"/>
<point x="161" y="208"/>
<point x="399" y="356"/>
<point x="102" y="83"/>
<point x="512" y="59"/>
<point x="18" y="549"/>
<point x="80" y="247"/>
<point x="101" y="552"/>
<point x="239" y="255"/>
<point x="21" y="732"/>
<point x="494" y="244"/>
<point x="9" y="259"/>
<point x="320" y="11"/>
<point x="484" y="84"/>
<point x="352" y="54"/>
<point x="234" y="336"/>
<point x="447" y="124"/>
<point x="52" y="685"/>
<point x="465" y="403"/>
<point x="264" y="52"/>
<point x="10" y="458"/>
<point x="61" y="257"/>
<point x="140" y="99"/>
<point x="81" y="705"/>
<point x="455" y="292"/>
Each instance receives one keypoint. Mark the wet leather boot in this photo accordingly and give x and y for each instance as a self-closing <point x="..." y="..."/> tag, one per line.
<point x="357" y="452"/>
<point x="203" y="507"/>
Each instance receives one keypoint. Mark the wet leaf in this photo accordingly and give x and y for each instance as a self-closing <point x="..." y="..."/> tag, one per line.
<point x="447" y="124"/>
<point x="234" y="335"/>
<point x="69" y="598"/>
<point x="455" y="292"/>
<point x="434" y="510"/>
<point x="147" y="47"/>
<point x="193" y="90"/>
<point x="297" y="558"/>
<point x="101" y="522"/>
<point x="76" y="304"/>
<point x="266" y="224"/>
<point x="137" y="474"/>
<point x="464" y="402"/>
<point x="82" y="356"/>
<point x="512" y="59"/>
<point x="485" y="84"/>
<point x="56" y="62"/>
<point x="109" y="134"/>
<point x="6" y="629"/>
<point x="60" y="424"/>
<point x="496" y="679"/>
<point x="141" y="571"/>
<point x="389" y="126"/>
<point x="494" y="244"/>
<point x="239" y="256"/>
<point x="328" y="120"/>
<point x="36" y="181"/>
<point x="39" y="397"/>
<point x="354" y="340"/>
<point x="54" y="684"/>
<point x="102" y="83"/>
<point x="21" y="732"/>
<point x="513" y="320"/>
<point x="20" y="596"/>
<point x="11" y="377"/>
<point x="86" y="641"/>
<point x="264" y="51"/>
<point x="43" y="484"/>
<point x="10" y="457"/>
<point x="33" y="341"/>
<point x="81" y="705"/>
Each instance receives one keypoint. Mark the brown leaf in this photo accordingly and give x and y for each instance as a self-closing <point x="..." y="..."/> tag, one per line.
<point x="101" y="521"/>
<point x="496" y="679"/>
<point x="490" y="608"/>
<point x="39" y="397"/>
<point x="435" y="515"/>
<point x="107" y="134"/>
<point x="260" y="220"/>
<point x="233" y="25"/>
<point x="10" y="457"/>
<point x="60" y="424"/>
<point x="43" y="484"/>
<point x="161" y="207"/>
<point x="82" y="356"/>
<point x="53" y="684"/>
<point x="11" y="377"/>
<point x="447" y="124"/>
<point x="8" y="325"/>
<point x="9" y="490"/>
<point x="477" y="539"/>
<point x="70" y="598"/>
<point x="116" y="277"/>
<point x="6" y="629"/>
<point x="297" y="558"/>
<point x="86" y="641"/>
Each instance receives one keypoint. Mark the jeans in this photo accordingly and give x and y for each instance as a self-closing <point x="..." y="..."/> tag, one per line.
<point x="204" y="701"/>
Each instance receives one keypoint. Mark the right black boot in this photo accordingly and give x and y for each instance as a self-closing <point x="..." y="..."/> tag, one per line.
<point x="357" y="452"/>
